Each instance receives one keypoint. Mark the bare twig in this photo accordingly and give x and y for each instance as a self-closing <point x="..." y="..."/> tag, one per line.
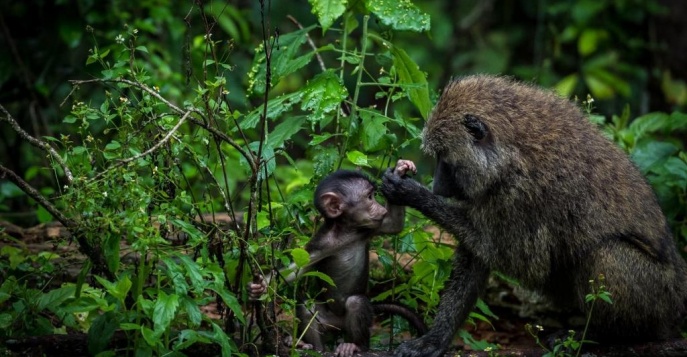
<point x="33" y="193"/>
<point x="37" y="143"/>
<point x="160" y="143"/>
<point x="310" y="42"/>
<point x="203" y="124"/>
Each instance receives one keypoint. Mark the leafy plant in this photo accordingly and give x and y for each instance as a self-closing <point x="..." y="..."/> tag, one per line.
<point x="572" y="344"/>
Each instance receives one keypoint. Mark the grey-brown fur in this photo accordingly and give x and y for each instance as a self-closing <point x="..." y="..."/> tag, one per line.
<point x="539" y="194"/>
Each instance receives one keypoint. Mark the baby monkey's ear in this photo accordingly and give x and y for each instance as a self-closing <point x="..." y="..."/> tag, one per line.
<point x="332" y="203"/>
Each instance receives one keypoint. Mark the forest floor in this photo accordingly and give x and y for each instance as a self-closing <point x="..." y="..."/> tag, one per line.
<point x="514" y="308"/>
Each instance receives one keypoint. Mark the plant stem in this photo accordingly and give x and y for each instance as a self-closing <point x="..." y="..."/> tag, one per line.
<point x="354" y="106"/>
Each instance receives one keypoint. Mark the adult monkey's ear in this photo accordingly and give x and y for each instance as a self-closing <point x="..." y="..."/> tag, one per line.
<point x="332" y="203"/>
<point x="475" y="127"/>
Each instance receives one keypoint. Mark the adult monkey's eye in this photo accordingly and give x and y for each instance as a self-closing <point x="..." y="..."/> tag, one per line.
<point x="475" y="127"/>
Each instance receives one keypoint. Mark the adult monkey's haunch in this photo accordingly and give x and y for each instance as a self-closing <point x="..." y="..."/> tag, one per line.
<point x="530" y="188"/>
<point x="339" y="249"/>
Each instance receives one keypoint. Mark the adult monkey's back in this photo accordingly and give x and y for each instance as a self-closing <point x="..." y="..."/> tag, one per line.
<point x="532" y="189"/>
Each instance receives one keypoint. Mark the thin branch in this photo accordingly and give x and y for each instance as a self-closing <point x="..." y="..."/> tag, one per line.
<point x="123" y="162"/>
<point x="310" y="42"/>
<point x="193" y="120"/>
<point x="33" y="193"/>
<point x="160" y="143"/>
<point x="37" y="143"/>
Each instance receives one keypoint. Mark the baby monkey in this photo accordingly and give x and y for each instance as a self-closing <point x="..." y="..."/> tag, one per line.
<point x="339" y="249"/>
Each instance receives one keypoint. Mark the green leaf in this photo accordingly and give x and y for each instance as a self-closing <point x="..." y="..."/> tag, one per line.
<point x="111" y="251"/>
<point x="566" y="86"/>
<point x="54" y="298"/>
<point x="321" y="276"/>
<point x="399" y="14"/>
<point x="285" y="130"/>
<point x="357" y="158"/>
<point x="677" y="170"/>
<point x="193" y="272"/>
<point x="319" y="139"/>
<point x="275" y="107"/>
<point x="230" y="300"/>
<point x="646" y="154"/>
<point x="284" y="60"/>
<point x="301" y="257"/>
<point x="373" y="129"/>
<point x="101" y="332"/>
<point x="194" y="314"/>
<point x="5" y="321"/>
<point x="327" y="11"/>
<point x="651" y="123"/>
<point x="588" y="42"/>
<point x="599" y="88"/>
<point x="164" y="310"/>
<point x="323" y="95"/>
<point x="410" y="75"/>
<point x="228" y="346"/>
<point x="262" y="220"/>
<point x="195" y="235"/>
<point x="43" y="215"/>
<point x="118" y="289"/>
<point x="324" y="160"/>
<point x="151" y="337"/>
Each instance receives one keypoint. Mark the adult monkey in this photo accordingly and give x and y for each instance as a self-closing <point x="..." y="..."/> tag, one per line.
<point x="340" y="249"/>
<point x="532" y="189"/>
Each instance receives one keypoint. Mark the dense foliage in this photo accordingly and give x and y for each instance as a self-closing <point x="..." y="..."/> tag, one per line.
<point x="162" y="116"/>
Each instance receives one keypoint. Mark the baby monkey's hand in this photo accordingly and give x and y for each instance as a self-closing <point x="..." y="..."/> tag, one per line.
<point x="403" y="166"/>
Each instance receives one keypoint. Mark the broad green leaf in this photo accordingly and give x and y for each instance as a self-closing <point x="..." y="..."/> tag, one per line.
<point x="6" y="321"/>
<point x="588" y="42"/>
<point x="321" y="276"/>
<point x="301" y="257"/>
<point x="373" y="128"/>
<point x="228" y="346"/>
<point x="599" y="88"/>
<point x="52" y="299"/>
<point x="357" y="158"/>
<point x="399" y="14"/>
<point x="195" y="235"/>
<point x="164" y="310"/>
<point x="319" y="139"/>
<point x="566" y="86"/>
<point x="118" y="289"/>
<point x="651" y="123"/>
<point x="324" y="160"/>
<point x="189" y="337"/>
<point x="285" y="130"/>
<point x="151" y="337"/>
<point x="275" y="107"/>
<point x="410" y="75"/>
<point x="327" y="11"/>
<point x="229" y="299"/>
<point x="101" y="332"/>
<point x="195" y="317"/>
<point x="284" y="60"/>
<point x="193" y="272"/>
<point x="111" y="251"/>
<point x="648" y="153"/>
<point x="113" y="145"/>
<point x="263" y="220"/>
<point x="323" y="95"/>
<point x="677" y="170"/>
<point x="43" y="215"/>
